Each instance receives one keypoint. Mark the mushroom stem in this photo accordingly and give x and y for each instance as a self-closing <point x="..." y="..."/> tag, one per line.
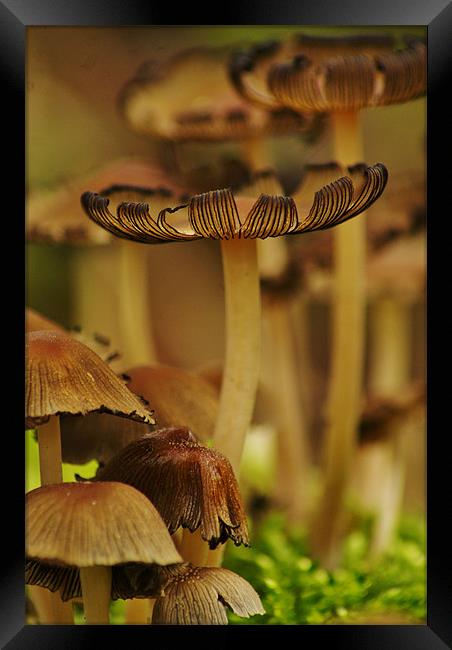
<point x="50" y="608"/>
<point x="134" y="309"/>
<point x="193" y="548"/>
<point x="96" y="593"/>
<point x="138" y="611"/>
<point x="55" y="611"/>
<point x="347" y="359"/>
<point x="49" y="441"/>
<point x="390" y="366"/>
<point x="390" y="341"/>
<point x="242" y="356"/>
<point x="293" y="452"/>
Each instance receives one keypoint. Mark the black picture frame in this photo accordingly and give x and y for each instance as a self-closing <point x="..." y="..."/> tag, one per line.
<point x="436" y="15"/>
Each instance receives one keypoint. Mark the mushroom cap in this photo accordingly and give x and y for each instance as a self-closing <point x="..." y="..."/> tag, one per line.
<point x="199" y="596"/>
<point x="179" y="397"/>
<point x="55" y="215"/>
<point x="95" y="524"/>
<point x="190" y="485"/>
<point x="190" y="97"/>
<point x="326" y="198"/>
<point x="325" y="74"/>
<point x="64" y="376"/>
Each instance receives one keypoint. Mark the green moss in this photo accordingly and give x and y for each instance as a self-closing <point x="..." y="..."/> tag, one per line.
<point x="295" y="590"/>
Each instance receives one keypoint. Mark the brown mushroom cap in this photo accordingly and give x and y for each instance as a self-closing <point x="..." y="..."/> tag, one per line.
<point x="55" y="216"/>
<point x="179" y="397"/>
<point x="199" y="596"/>
<point x="190" y="485"/>
<point x="64" y="376"/>
<point x="325" y="74"/>
<point x="95" y="524"/>
<point x="189" y="97"/>
<point x="326" y="198"/>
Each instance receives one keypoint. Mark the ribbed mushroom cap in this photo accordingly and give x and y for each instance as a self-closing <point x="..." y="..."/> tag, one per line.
<point x="324" y="74"/>
<point x="55" y="216"/>
<point x="189" y="97"/>
<point x="131" y="580"/>
<point x="200" y="595"/>
<point x="190" y="485"/>
<point x="95" y="524"/>
<point x="179" y="397"/>
<point x="64" y="376"/>
<point x="326" y="198"/>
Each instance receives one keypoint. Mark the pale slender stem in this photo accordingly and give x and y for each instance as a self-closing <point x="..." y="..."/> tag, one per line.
<point x="134" y="308"/>
<point x="51" y="610"/>
<point x="193" y="547"/>
<point x="242" y="358"/>
<point x="390" y="499"/>
<point x="51" y="470"/>
<point x="49" y="441"/>
<point x="293" y="451"/>
<point x="138" y="611"/>
<point x="243" y="340"/>
<point x="347" y="359"/>
<point x="390" y="366"/>
<point x="390" y="346"/>
<point x="292" y="445"/>
<point x="96" y="594"/>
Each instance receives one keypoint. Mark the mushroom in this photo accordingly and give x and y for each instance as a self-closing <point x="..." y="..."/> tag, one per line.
<point x="382" y="460"/>
<point x="339" y="76"/>
<point x="92" y="527"/>
<point x="199" y="596"/>
<point x="189" y="98"/>
<point x="191" y="486"/>
<point x="56" y="217"/>
<point x="63" y="376"/>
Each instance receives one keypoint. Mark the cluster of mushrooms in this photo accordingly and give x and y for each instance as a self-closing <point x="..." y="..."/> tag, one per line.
<point x="151" y="526"/>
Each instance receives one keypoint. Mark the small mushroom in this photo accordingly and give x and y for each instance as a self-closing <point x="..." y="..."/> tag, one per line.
<point x="92" y="527"/>
<point x="191" y="486"/>
<point x="200" y="595"/>
<point x="63" y="376"/>
<point x="190" y="97"/>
